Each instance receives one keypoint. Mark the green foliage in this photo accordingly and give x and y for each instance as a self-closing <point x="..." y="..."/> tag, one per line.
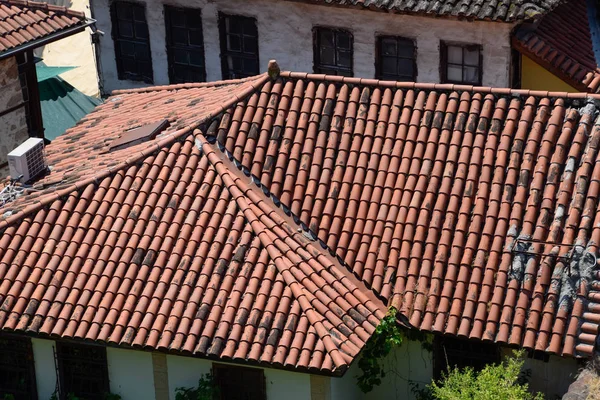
<point x="8" y="396"/>
<point x="54" y="396"/>
<point x="387" y="336"/>
<point x="494" y="382"/>
<point x="206" y="390"/>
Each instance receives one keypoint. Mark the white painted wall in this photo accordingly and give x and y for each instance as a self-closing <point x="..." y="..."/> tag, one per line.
<point x="185" y="372"/>
<point x="130" y="373"/>
<point x="285" y="33"/>
<point x="45" y="369"/>
<point x="409" y="362"/>
<point x="551" y="378"/>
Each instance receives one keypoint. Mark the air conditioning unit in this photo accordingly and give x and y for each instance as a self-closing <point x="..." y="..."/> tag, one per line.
<point x="27" y="161"/>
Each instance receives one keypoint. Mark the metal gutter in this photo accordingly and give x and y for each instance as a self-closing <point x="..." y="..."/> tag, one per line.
<point x="47" y="39"/>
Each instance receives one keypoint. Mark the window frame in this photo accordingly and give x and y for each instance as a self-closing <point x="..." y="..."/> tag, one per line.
<point x="444" y="62"/>
<point x="117" y="40"/>
<point x="318" y="66"/>
<point x="29" y="369"/>
<point x="171" y="45"/>
<point x="379" y="56"/>
<point x="60" y="357"/>
<point x="217" y="367"/>
<point x="226" y="72"/>
<point x="447" y="347"/>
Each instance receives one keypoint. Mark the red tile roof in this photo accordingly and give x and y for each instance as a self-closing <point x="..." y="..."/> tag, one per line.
<point x="22" y="22"/>
<point x="271" y="219"/>
<point x="488" y="10"/>
<point x="562" y="43"/>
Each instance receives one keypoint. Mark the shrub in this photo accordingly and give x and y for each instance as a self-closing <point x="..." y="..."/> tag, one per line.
<point x="206" y="390"/>
<point x="494" y="382"/>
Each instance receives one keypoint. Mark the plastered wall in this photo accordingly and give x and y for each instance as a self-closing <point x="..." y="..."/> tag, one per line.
<point x="285" y="34"/>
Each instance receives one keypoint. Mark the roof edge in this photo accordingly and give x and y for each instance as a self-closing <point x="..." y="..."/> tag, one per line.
<point x="44" y="40"/>
<point x="38" y="5"/>
<point x="447" y="87"/>
<point x="150" y="149"/>
<point x="180" y="86"/>
<point x="561" y="74"/>
<point x="424" y="14"/>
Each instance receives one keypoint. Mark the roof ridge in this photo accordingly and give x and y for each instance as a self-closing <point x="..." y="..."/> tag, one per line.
<point x="135" y="157"/>
<point x="178" y="86"/>
<point x="286" y="210"/>
<point x="449" y="87"/>
<point x="228" y="169"/>
<point x="38" y="5"/>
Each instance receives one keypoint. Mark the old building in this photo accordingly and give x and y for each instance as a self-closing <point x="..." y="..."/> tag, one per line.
<point x="156" y="42"/>
<point x="561" y="52"/>
<point x="261" y="228"/>
<point x="25" y="26"/>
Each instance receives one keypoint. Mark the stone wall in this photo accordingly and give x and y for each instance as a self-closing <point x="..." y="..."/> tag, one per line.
<point x="285" y="34"/>
<point x="13" y="125"/>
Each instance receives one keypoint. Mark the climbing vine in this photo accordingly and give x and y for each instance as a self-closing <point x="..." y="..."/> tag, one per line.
<point x="386" y="337"/>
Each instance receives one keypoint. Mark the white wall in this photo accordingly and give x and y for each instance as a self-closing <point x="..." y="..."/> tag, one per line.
<point x="285" y="33"/>
<point x="551" y="378"/>
<point x="185" y="372"/>
<point x="408" y="363"/>
<point x="45" y="370"/>
<point x="130" y="373"/>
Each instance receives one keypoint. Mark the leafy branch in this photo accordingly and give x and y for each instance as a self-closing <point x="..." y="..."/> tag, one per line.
<point x="386" y="337"/>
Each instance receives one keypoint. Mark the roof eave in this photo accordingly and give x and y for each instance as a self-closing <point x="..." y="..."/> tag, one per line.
<point x="48" y="39"/>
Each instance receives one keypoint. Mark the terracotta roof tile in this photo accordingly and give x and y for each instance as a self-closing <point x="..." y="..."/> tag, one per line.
<point x="273" y="221"/>
<point x="489" y="10"/>
<point x="562" y="43"/>
<point x="24" y="21"/>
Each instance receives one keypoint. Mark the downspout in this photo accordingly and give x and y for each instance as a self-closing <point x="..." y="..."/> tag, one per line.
<point x="95" y="37"/>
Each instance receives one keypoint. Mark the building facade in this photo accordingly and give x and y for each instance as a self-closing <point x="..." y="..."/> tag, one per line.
<point x="158" y="42"/>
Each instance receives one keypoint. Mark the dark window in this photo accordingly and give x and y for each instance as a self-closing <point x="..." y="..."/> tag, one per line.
<point x="132" y="41"/>
<point x="461" y="63"/>
<point x="185" y="45"/>
<point x="453" y="352"/>
<point x="239" y="383"/>
<point x="396" y="59"/>
<point x="333" y="51"/>
<point x="239" y="46"/>
<point x="17" y="371"/>
<point x="82" y="370"/>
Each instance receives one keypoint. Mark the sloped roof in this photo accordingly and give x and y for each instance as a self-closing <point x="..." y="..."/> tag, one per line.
<point x="487" y="10"/>
<point x="178" y="250"/>
<point x="23" y="22"/>
<point x="562" y="43"/>
<point x="275" y="220"/>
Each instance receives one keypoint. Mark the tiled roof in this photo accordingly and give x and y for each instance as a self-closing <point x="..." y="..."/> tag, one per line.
<point x="170" y="246"/>
<point x="271" y="219"/>
<point x="22" y="22"/>
<point x="562" y="43"/>
<point x="489" y="10"/>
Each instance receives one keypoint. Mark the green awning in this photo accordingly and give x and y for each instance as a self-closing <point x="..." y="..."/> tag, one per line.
<point x="44" y="72"/>
<point x="62" y="105"/>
